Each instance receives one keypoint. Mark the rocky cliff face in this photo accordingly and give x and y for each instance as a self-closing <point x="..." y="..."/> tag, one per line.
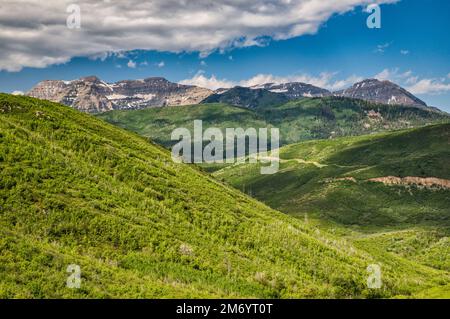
<point x="384" y="92"/>
<point x="90" y="94"/>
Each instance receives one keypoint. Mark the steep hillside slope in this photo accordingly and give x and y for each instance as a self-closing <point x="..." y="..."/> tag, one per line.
<point x="75" y="190"/>
<point x="300" y="120"/>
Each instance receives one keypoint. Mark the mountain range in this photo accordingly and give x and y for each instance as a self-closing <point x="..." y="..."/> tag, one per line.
<point x="92" y="95"/>
<point x="298" y="120"/>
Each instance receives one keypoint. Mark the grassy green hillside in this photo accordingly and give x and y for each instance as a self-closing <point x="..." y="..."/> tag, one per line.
<point x="301" y="120"/>
<point x="76" y="190"/>
<point x="313" y="169"/>
<point x="329" y="181"/>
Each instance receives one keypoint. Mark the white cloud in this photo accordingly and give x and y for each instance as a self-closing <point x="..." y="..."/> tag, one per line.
<point x="33" y="33"/>
<point x="131" y="64"/>
<point x="429" y="86"/>
<point x="208" y="82"/>
<point x="382" y="47"/>
<point x="324" y="80"/>
<point x="342" y="84"/>
<point x="203" y="63"/>
<point x="17" y="93"/>
<point x="393" y="75"/>
<point x="412" y="80"/>
<point x="414" y="83"/>
<point x="404" y="52"/>
<point x="327" y="80"/>
<point x="160" y="64"/>
<point x="383" y="75"/>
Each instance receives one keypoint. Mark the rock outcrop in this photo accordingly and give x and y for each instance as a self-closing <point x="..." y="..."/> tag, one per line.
<point x="92" y="95"/>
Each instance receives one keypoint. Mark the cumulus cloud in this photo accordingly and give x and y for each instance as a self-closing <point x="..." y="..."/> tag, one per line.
<point x="160" y="64"/>
<point x="414" y="83"/>
<point x="412" y="80"/>
<point x="393" y="75"/>
<point x="429" y="86"/>
<point x="131" y="64"/>
<point x="404" y="52"/>
<point x="211" y="82"/>
<point x="33" y="33"/>
<point x="381" y="48"/>
<point x="324" y="80"/>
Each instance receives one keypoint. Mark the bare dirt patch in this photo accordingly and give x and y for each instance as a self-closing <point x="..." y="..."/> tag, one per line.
<point x="428" y="182"/>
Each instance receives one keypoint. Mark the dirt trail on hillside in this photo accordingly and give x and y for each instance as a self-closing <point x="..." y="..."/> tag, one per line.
<point x="411" y="180"/>
<point x="302" y="161"/>
<point x="298" y="160"/>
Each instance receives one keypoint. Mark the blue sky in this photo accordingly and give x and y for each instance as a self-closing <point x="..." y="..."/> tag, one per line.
<point x="412" y="48"/>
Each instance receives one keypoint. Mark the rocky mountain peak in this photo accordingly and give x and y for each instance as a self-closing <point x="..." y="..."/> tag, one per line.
<point x="91" y="94"/>
<point x="156" y="80"/>
<point x="384" y="92"/>
<point x="91" y="78"/>
<point x="294" y="90"/>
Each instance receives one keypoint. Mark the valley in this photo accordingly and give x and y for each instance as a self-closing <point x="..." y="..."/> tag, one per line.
<point x="299" y="120"/>
<point x="386" y="192"/>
